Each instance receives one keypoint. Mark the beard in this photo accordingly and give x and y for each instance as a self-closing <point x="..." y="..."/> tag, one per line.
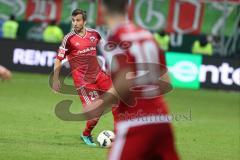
<point x="79" y="29"/>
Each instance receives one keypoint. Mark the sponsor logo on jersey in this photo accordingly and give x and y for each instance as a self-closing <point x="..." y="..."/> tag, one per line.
<point x="87" y="50"/>
<point x="92" y="39"/>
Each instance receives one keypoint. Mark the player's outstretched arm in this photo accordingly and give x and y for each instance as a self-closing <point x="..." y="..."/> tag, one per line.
<point x="56" y="83"/>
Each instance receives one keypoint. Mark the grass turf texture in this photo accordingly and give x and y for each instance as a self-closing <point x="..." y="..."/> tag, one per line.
<point x="29" y="128"/>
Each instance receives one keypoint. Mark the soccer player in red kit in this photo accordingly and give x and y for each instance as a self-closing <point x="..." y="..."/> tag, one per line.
<point x="79" y="47"/>
<point x="143" y="129"/>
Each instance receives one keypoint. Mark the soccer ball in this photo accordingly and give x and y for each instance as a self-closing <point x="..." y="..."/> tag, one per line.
<point x="105" y="138"/>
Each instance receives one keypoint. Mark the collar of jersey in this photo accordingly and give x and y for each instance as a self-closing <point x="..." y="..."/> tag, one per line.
<point x="80" y="35"/>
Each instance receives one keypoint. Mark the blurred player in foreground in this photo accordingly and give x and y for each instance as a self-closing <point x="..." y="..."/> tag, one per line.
<point x="79" y="47"/>
<point x="5" y="74"/>
<point x="143" y="130"/>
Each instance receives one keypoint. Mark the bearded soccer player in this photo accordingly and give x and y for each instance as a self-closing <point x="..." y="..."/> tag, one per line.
<point x="79" y="47"/>
<point x="143" y="130"/>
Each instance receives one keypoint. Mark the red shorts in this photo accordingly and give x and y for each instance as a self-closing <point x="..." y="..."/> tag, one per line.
<point x="146" y="141"/>
<point x="89" y="92"/>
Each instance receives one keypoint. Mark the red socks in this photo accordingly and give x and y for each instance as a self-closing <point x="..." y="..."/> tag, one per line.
<point x="89" y="126"/>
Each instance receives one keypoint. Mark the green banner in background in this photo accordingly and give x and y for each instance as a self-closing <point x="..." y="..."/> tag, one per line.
<point x="89" y="6"/>
<point x="153" y="15"/>
<point x="184" y="69"/>
<point x="16" y="7"/>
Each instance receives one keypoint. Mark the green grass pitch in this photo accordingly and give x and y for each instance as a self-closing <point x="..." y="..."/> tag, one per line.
<point x="29" y="129"/>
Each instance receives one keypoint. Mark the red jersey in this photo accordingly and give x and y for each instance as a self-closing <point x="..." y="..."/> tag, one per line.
<point x="139" y="46"/>
<point x="81" y="53"/>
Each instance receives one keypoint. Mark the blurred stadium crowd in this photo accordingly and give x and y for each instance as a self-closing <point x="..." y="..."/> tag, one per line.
<point x="206" y="32"/>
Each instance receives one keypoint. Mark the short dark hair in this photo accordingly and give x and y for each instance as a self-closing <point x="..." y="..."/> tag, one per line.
<point x="12" y="17"/>
<point x="53" y="22"/>
<point x="80" y="11"/>
<point x="116" y="6"/>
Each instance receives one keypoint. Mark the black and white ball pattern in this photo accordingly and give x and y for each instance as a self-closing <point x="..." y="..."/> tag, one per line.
<point x="105" y="138"/>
